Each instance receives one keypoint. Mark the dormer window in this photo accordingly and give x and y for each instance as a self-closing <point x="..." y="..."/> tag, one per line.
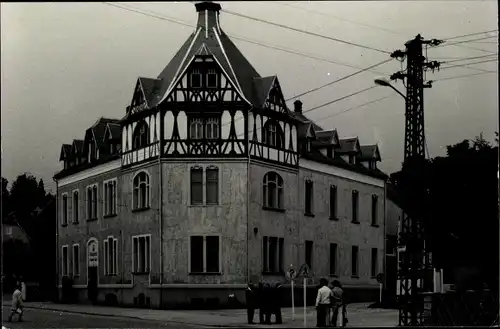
<point x="308" y="145"/>
<point x="196" y="79"/>
<point x="329" y="152"/>
<point x="211" y="78"/>
<point x="196" y="129"/>
<point x="372" y="165"/>
<point x="352" y="159"/>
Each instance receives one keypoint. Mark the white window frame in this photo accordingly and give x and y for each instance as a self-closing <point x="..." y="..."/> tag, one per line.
<point x="94" y="201"/>
<point x="110" y="208"/>
<point x="204" y="168"/>
<point x="279" y="182"/>
<point x="148" y="191"/>
<point x="64" y="269"/>
<point x="205" y="253"/>
<point x="76" y="260"/>
<point x="212" y="125"/>
<point x="75" y="219"/>
<point x="213" y="72"/>
<point x="134" y="265"/>
<point x="65" y="208"/>
<point x="266" y="254"/>
<point x="196" y="124"/>
<point x="111" y="270"/>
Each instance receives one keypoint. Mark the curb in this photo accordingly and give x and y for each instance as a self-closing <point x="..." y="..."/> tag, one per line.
<point x="123" y="316"/>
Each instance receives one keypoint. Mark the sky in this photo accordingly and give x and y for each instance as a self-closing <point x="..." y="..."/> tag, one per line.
<point x="64" y="65"/>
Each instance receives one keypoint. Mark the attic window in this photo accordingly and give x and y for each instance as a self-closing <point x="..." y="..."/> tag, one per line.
<point x="196" y="79"/>
<point x="211" y="78"/>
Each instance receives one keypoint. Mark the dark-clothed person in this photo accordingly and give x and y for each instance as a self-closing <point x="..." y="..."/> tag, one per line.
<point x="261" y="300"/>
<point x="337" y="305"/>
<point x="251" y="302"/>
<point x="323" y="301"/>
<point x="277" y="302"/>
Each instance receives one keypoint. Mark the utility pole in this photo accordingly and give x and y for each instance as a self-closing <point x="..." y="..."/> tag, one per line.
<point x="414" y="262"/>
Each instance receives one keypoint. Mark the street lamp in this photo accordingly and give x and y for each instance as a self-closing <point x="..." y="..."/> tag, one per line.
<point x="384" y="83"/>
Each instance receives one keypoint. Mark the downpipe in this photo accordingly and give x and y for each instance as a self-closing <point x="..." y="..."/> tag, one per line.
<point x="57" y="238"/>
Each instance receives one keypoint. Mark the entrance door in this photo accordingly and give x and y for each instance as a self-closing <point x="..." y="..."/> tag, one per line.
<point x="92" y="270"/>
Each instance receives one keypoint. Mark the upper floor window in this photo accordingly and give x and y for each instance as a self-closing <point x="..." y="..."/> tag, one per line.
<point x="92" y="202"/>
<point x="211" y="186"/>
<point x="196" y="79"/>
<point x="272" y="134"/>
<point x="141" y="135"/>
<point x="65" y="209"/>
<point x="212" y="128"/>
<point x="76" y="206"/>
<point x="273" y="191"/>
<point x="211" y="78"/>
<point x="355" y="205"/>
<point x="309" y="198"/>
<point x="65" y="261"/>
<point x="355" y="261"/>
<point x="333" y="202"/>
<point x="374" y="209"/>
<point x="110" y="197"/>
<point x="196" y="129"/>
<point x="141" y="197"/>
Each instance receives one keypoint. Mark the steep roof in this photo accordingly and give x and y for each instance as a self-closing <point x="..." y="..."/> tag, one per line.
<point x="99" y="128"/>
<point x="78" y="145"/>
<point x="369" y="152"/>
<point x="65" y="151"/>
<point x="207" y="39"/>
<point x="326" y="137"/>
<point x="115" y="130"/>
<point x="348" y="145"/>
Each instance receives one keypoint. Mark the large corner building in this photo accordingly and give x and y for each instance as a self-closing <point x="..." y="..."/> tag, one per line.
<point x="210" y="181"/>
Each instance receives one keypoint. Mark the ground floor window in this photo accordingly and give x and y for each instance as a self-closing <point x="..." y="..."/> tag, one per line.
<point x="76" y="260"/>
<point x="204" y="254"/>
<point x="110" y="256"/>
<point x="272" y="252"/>
<point x="141" y="253"/>
<point x="65" y="261"/>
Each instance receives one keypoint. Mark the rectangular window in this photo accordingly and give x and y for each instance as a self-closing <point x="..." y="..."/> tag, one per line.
<point x="333" y="258"/>
<point x="110" y="256"/>
<point x="333" y="202"/>
<point x="374" y="209"/>
<point x="272" y="248"/>
<point x="355" y="199"/>
<point x="110" y="198"/>
<point x="309" y="197"/>
<point x="196" y="79"/>
<point x="211" y="78"/>
<point x="212" y="184"/>
<point x="76" y="205"/>
<point x="196" y="186"/>
<point x="354" y="261"/>
<point x="374" y="267"/>
<point x="309" y="254"/>
<point x="89" y="203"/>
<point x="65" y="209"/>
<point x="92" y="202"/>
<point x="65" y="261"/>
<point x="141" y="253"/>
<point x="76" y="260"/>
<point x="205" y="254"/>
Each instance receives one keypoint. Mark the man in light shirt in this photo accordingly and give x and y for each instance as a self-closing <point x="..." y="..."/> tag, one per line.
<point x="17" y="303"/>
<point x="323" y="301"/>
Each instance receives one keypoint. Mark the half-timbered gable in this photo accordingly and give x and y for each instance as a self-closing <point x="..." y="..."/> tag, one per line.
<point x="368" y="156"/>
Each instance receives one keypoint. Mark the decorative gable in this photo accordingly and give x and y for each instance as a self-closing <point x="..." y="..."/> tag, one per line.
<point x="138" y="103"/>
<point x="275" y="100"/>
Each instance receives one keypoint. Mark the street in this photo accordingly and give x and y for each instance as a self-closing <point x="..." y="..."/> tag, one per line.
<point x="35" y="318"/>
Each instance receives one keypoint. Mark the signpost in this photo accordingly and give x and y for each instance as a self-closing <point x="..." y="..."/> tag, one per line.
<point x="304" y="272"/>
<point x="380" y="280"/>
<point x="291" y="274"/>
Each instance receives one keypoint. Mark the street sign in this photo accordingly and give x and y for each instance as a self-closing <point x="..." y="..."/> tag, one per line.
<point x="304" y="271"/>
<point x="380" y="277"/>
<point x="291" y="273"/>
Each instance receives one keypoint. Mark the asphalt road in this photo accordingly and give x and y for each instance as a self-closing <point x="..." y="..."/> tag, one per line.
<point x="35" y="318"/>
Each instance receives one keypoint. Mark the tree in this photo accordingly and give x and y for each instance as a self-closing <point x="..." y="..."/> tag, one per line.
<point x="459" y="205"/>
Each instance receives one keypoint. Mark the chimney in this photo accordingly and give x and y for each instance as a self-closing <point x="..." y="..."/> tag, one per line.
<point x="208" y="17"/>
<point x="297" y="106"/>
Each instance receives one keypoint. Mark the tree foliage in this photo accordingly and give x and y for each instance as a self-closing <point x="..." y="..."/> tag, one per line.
<point x="456" y="197"/>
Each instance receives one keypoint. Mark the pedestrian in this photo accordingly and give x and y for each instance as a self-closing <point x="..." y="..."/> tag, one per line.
<point x="323" y="300"/>
<point x="17" y="303"/>
<point x="23" y="287"/>
<point x="260" y="302"/>
<point x="277" y="301"/>
<point x="267" y="303"/>
<point x="338" y="306"/>
<point x="250" y="298"/>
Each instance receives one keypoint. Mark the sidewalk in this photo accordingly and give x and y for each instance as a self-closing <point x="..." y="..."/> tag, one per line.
<point x="358" y="315"/>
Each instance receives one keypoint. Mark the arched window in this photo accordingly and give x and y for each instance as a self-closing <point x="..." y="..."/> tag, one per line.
<point x="141" y="135"/>
<point x="212" y="128"/>
<point x="141" y="197"/>
<point x="272" y="134"/>
<point x="273" y="191"/>
<point x="196" y="129"/>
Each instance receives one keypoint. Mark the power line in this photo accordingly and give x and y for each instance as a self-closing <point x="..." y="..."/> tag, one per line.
<point x="464" y="76"/>
<point x="464" y="41"/>
<point x="466" y="58"/>
<point x="244" y="39"/>
<point x="338" y="80"/>
<point x="305" y="32"/>
<point x="339" y="99"/>
<point x="479" y="49"/>
<point x="469" y="35"/>
<point x="462" y="65"/>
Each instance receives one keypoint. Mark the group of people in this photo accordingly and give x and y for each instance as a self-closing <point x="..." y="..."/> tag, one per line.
<point x="267" y="298"/>
<point x="330" y="307"/>
<point x="18" y="297"/>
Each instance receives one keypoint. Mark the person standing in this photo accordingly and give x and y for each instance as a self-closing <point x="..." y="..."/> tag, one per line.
<point x="323" y="300"/>
<point x="17" y="303"/>
<point x="277" y="301"/>
<point x="250" y="300"/>
<point x="337" y="304"/>
<point x="23" y="287"/>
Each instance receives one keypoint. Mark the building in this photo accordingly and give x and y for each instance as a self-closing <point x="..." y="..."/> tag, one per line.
<point x="209" y="181"/>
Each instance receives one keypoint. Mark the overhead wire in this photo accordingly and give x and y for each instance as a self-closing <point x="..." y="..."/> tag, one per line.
<point x="305" y="32"/>
<point x="464" y="76"/>
<point x="462" y="65"/>
<point x="465" y="59"/>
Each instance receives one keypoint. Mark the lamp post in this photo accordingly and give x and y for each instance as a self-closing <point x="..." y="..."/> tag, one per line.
<point x="384" y="83"/>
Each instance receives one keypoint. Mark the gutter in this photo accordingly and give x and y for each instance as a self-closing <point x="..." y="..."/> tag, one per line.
<point x="248" y="198"/>
<point x="384" y="283"/>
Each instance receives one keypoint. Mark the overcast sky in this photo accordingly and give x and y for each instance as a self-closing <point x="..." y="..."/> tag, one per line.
<point x="64" y="65"/>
